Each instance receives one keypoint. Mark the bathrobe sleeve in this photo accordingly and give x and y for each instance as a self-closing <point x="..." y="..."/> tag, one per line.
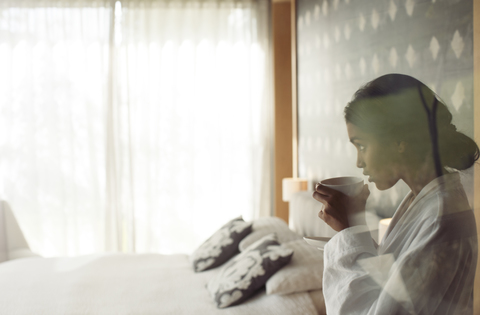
<point x="432" y="273"/>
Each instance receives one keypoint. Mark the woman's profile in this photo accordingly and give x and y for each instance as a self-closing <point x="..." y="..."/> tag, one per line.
<point x="425" y="263"/>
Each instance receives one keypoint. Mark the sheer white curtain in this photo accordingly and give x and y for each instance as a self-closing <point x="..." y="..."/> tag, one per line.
<point x="53" y="74"/>
<point x="138" y="126"/>
<point x="191" y="119"/>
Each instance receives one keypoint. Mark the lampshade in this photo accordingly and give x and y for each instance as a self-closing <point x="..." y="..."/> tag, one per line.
<point x="291" y="186"/>
<point x="382" y="227"/>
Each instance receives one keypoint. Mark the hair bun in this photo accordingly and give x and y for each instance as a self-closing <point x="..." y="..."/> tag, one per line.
<point x="457" y="150"/>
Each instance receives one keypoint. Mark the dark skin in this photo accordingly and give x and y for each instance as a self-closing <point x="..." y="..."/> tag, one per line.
<point x="385" y="162"/>
<point x="336" y="204"/>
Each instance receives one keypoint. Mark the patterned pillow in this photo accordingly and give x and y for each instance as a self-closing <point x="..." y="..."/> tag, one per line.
<point x="221" y="246"/>
<point x="245" y="274"/>
<point x="268" y="225"/>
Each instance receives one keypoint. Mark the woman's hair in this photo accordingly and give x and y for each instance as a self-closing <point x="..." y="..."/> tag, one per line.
<point x="401" y="108"/>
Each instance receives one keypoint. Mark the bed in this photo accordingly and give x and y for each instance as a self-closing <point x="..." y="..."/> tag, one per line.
<point x="114" y="283"/>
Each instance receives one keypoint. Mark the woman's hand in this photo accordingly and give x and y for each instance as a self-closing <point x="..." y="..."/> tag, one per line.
<point x="341" y="211"/>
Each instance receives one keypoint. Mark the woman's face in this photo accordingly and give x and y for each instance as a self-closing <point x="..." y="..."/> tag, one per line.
<point x="378" y="158"/>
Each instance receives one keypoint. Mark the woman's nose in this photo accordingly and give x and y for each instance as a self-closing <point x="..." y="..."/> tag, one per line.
<point x="360" y="162"/>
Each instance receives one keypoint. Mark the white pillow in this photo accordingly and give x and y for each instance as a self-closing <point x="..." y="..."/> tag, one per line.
<point x="303" y="273"/>
<point x="265" y="226"/>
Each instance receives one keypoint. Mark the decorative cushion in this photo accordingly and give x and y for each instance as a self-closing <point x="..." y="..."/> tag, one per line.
<point x="303" y="273"/>
<point x="264" y="226"/>
<point x="221" y="246"/>
<point x="246" y="273"/>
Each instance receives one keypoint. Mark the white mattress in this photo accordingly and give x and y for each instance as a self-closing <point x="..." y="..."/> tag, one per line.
<point x="123" y="284"/>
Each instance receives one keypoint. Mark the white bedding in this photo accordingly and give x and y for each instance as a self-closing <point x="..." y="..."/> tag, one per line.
<point x="124" y="284"/>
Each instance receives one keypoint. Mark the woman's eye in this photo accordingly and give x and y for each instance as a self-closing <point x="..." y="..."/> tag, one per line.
<point x="361" y="147"/>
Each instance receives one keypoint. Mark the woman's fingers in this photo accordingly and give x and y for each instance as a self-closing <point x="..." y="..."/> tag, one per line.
<point x="324" y="190"/>
<point x="333" y="221"/>
<point x="336" y="206"/>
<point x="340" y="210"/>
<point x="319" y="197"/>
<point x="324" y="215"/>
<point x="321" y="214"/>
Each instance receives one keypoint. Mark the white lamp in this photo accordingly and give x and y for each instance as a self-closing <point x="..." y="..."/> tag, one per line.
<point x="382" y="227"/>
<point x="291" y="186"/>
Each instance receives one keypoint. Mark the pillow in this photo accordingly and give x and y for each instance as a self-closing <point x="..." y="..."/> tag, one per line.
<point x="241" y="277"/>
<point x="303" y="273"/>
<point x="264" y="226"/>
<point x="221" y="246"/>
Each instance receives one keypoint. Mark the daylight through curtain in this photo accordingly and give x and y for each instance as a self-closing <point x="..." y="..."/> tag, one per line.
<point x="137" y="126"/>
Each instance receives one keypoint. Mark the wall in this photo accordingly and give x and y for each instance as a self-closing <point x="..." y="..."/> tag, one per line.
<point x="344" y="44"/>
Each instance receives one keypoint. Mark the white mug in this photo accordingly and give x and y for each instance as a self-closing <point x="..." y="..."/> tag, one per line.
<point x="349" y="185"/>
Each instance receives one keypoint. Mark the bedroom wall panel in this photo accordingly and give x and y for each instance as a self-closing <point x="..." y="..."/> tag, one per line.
<point x="343" y="44"/>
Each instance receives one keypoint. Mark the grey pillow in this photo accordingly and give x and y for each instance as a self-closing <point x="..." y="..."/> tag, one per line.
<point x="242" y="276"/>
<point x="221" y="246"/>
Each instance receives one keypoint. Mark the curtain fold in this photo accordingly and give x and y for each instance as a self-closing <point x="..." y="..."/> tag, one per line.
<point x="135" y="126"/>
<point x="193" y="121"/>
<point x="53" y="71"/>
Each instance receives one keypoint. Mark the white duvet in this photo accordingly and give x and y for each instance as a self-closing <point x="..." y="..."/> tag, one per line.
<point x="123" y="284"/>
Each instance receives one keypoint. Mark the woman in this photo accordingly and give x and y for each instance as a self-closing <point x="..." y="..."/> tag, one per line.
<point x="426" y="262"/>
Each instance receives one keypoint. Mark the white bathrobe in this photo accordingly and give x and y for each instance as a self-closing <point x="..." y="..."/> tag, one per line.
<point x="425" y="263"/>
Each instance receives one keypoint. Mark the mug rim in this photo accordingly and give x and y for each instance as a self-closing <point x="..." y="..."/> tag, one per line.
<point x="355" y="180"/>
